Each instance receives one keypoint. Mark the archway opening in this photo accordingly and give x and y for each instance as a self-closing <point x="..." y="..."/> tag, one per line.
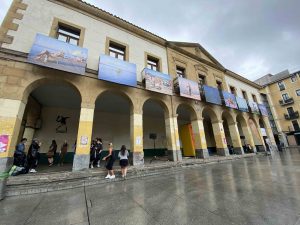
<point x="227" y="120"/>
<point x="209" y="117"/>
<point x="256" y="135"/>
<point x="263" y="130"/>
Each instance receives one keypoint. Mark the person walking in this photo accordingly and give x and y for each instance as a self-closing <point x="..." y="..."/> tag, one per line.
<point x="63" y="152"/>
<point x="51" y="152"/>
<point x="33" y="156"/>
<point x="110" y="159"/>
<point x="123" y="155"/>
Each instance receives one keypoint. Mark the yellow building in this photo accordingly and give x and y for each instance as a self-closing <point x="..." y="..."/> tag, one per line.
<point x="282" y="93"/>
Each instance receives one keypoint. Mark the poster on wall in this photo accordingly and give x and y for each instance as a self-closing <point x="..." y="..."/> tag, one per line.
<point x="188" y="88"/>
<point x="3" y="143"/>
<point x="158" y="82"/>
<point x="263" y="110"/>
<point x="254" y="107"/>
<point x="62" y="124"/>
<point x="212" y="95"/>
<point x="117" y="71"/>
<point x="242" y="104"/>
<point x="52" y="53"/>
<point x="230" y="100"/>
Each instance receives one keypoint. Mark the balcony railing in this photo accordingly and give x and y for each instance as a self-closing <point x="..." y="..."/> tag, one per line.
<point x="286" y="101"/>
<point x="291" y="116"/>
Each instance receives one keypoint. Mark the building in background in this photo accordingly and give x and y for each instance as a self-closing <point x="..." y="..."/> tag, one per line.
<point x="281" y="92"/>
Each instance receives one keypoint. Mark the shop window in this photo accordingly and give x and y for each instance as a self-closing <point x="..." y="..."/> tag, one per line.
<point x="295" y="125"/>
<point x="281" y="85"/>
<point x="293" y="78"/>
<point x="152" y="63"/>
<point x="298" y="92"/>
<point x="180" y="71"/>
<point x="68" y="34"/>
<point x="285" y="96"/>
<point x="117" y="51"/>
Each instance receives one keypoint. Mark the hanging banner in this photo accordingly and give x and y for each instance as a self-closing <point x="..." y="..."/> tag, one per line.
<point x="188" y="88"/>
<point x="229" y="100"/>
<point x="263" y="110"/>
<point x="52" y="53"/>
<point x="117" y="71"/>
<point x="158" y="82"/>
<point x="212" y="95"/>
<point x="3" y="143"/>
<point x="254" y="107"/>
<point x="242" y="104"/>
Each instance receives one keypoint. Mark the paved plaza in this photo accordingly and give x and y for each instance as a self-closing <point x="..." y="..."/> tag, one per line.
<point x="259" y="190"/>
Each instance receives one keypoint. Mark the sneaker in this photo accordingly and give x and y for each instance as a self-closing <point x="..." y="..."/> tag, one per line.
<point x="32" y="171"/>
<point x="98" y="165"/>
<point x="92" y="167"/>
<point x="112" y="177"/>
<point x="108" y="176"/>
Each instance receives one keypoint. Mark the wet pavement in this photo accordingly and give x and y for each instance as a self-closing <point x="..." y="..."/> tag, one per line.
<point x="257" y="191"/>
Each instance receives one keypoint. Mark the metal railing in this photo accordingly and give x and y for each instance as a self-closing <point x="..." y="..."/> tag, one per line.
<point x="286" y="101"/>
<point x="291" y="116"/>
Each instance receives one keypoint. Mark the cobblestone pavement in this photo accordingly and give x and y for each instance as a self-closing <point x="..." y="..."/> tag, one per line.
<point x="259" y="190"/>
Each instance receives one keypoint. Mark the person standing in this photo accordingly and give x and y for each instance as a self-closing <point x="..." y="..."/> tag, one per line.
<point x="98" y="150"/>
<point x="19" y="155"/>
<point x="123" y="155"/>
<point x="92" y="154"/>
<point x="110" y="159"/>
<point x="51" y="152"/>
<point x="33" y="156"/>
<point x="63" y="152"/>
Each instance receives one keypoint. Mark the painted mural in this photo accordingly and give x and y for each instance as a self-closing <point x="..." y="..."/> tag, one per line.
<point x="117" y="71"/>
<point x="242" y="104"/>
<point x="4" y="139"/>
<point x="212" y="95"/>
<point x="52" y="53"/>
<point x="230" y="100"/>
<point x="188" y="88"/>
<point x="263" y="110"/>
<point x="158" y="82"/>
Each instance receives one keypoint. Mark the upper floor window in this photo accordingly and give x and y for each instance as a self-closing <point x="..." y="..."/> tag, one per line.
<point x="293" y="78"/>
<point x="245" y="95"/>
<point x="117" y="51"/>
<point x="281" y="85"/>
<point x="290" y="110"/>
<point x="298" y="92"/>
<point x="152" y="63"/>
<point x="295" y="125"/>
<point x="202" y="80"/>
<point x="219" y="85"/>
<point x="180" y="71"/>
<point x="232" y="90"/>
<point x="254" y="98"/>
<point x="285" y="96"/>
<point x="67" y="34"/>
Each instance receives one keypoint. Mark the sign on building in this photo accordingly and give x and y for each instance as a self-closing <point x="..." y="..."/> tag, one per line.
<point x="187" y="88"/>
<point x="242" y="104"/>
<point x="212" y="95"/>
<point x="230" y="100"/>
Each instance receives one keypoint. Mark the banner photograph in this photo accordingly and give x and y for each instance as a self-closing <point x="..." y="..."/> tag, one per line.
<point x="229" y="100"/>
<point x="242" y="104"/>
<point x="212" y="95"/>
<point x="158" y="82"/>
<point x="117" y="71"/>
<point x="188" y="88"/>
<point x="50" y="52"/>
<point x="263" y="110"/>
<point x="254" y="107"/>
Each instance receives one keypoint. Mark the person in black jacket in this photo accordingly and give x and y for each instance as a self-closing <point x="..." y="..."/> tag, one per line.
<point x="20" y="155"/>
<point x="33" y="155"/>
<point x="98" y="150"/>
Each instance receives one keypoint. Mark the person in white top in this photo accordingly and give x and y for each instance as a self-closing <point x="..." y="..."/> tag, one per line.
<point x="123" y="155"/>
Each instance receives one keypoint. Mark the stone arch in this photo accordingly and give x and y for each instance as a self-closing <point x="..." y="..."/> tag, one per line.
<point x="210" y="112"/>
<point x="159" y="102"/>
<point x="187" y="108"/>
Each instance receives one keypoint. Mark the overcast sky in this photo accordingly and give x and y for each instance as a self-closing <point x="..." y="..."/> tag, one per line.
<point x="250" y="37"/>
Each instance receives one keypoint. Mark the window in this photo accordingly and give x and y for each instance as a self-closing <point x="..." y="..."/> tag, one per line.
<point x="254" y="98"/>
<point x="69" y="35"/>
<point x="293" y="78"/>
<point x="117" y="51"/>
<point x="295" y="125"/>
<point x="152" y="63"/>
<point x="245" y="95"/>
<point x="281" y="85"/>
<point x="290" y="110"/>
<point x="219" y="85"/>
<point x="202" y="80"/>
<point x="232" y="90"/>
<point x="180" y="71"/>
<point x="298" y="92"/>
<point x="285" y="96"/>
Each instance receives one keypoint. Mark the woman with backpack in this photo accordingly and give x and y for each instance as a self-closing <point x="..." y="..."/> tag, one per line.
<point x="110" y="159"/>
<point x="123" y="155"/>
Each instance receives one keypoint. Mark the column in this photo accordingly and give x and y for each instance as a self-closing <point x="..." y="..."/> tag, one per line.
<point x="174" y="152"/>
<point x="84" y="137"/>
<point x="249" y="139"/>
<point x="199" y="138"/>
<point x="269" y="132"/>
<point x="11" y="114"/>
<point x="220" y="138"/>
<point x="136" y="135"/>
<point x="235" y="138"/>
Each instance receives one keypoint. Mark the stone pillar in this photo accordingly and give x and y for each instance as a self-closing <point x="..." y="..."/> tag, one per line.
<point x="235" y="138"/>
<point x="136" y="135"/>
<point x="220" y="138"/>
<point x="11" y="114"/>
<point x="29" y="134"/>
<point x="199" y="138"/>
<point x="174" y="152"/>
<point x="248" y="136"/>
<point x="270" y="132"/>
<point x="84" y="137"/>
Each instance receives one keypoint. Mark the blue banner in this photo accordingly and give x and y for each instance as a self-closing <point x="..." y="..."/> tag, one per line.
<point x="188" y="88"/>
<point x="50" y="52"/>
<point x="229" y="100"/>
<point x="117" y="71"/>
<point x="158" y="82"/>
<point x="212" y="95"/>
<point x="242" y="104"/>
<point x="263" y="110"/>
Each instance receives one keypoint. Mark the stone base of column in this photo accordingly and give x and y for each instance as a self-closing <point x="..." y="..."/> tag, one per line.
<point x="174" y="155"/>
<point x="138" y="158"/>
<point x="260" y="148"/>
<point x="223" y="151"/>
<point x="238" y="150"/>
<point x="202" y="153"/>
<point x="81" y="162"/>
<point x="179" y="155"/>
<point x="5" y="164"/>
<point x="253" y="150"/>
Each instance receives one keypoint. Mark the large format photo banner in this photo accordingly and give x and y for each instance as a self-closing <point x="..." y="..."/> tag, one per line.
<point x="254" y="107"/>
<point x="242" y="104"/>
<point x="117" y="71"/>
<point x="229" y="100"/>
<point x="158" y="82"/>
<point x="212" y="95"/>
<point x="52" y="53"/>
<point x="263" y="110"/>
<point x="188" y="88"/>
